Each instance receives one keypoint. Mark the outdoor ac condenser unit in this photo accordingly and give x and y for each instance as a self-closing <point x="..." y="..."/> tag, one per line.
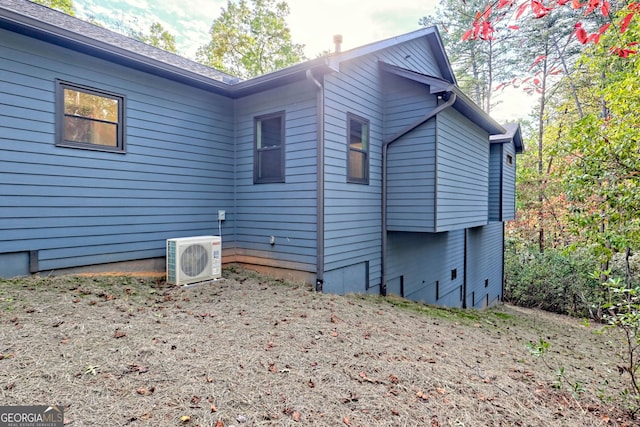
<point x="193" y="259"/>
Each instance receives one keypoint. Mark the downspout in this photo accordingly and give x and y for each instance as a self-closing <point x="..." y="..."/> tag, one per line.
<point x="385" y="147"/>
<point x="319" y="183"/>
<point x="464" y="275"/>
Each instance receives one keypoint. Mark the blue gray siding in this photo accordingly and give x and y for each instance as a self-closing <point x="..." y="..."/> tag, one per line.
<point x="352" y="211"/>
<point x="462" y="175"/>
<point x="81" y="207"/>
<point x="286" y="211"/>
<point x="484" y="264"/>
<point x="420" y="266"/>
<point x="411" y="160"/>
<point x="502" y="182"/>
<point x="508" y="183"/>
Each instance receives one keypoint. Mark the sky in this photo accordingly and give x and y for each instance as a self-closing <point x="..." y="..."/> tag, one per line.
<point x="312" y="22"/>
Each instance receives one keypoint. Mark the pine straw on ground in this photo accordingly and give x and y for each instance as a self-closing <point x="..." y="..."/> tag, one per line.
<point x="253" y="351"/>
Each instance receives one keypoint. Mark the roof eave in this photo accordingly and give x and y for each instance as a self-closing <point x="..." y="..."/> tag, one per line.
<point x="66" y="38"/>
<point x="292" y="74"/>
<point x="476" y="114"/>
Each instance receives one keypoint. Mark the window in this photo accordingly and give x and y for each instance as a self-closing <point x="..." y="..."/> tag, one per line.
<point x="358" y="151"/>
<point x="268" y="159"/>
<point x="509" y="160"/>
<point x="454" y="274"/>
<point x="89" y="118"/>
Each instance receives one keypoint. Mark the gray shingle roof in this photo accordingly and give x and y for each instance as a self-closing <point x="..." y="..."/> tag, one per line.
<point x="51" y="24"/>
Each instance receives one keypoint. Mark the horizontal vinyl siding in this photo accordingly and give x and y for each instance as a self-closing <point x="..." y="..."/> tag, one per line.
<point x="462" y="172"/>
<point x="509" y="184"/>
<point x="352" y="211"/>
<point x="423" y="261"/>
<point x="80" y="207"/>
<point x="286" y="211"/>
<point x="410" y="159"/>
<point x="484" y="263"/>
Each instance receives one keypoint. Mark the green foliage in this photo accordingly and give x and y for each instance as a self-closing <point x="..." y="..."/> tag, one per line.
<point x="601" y="167"/>
<point x="158" y="37"/>
<point x="251" y="38"/>
<point x="556" y="280"/>
<point x="540" y="350"/>
<point x="479" y="64"/>
<point x="65" y="6"/>
<point x="623" y="314"/>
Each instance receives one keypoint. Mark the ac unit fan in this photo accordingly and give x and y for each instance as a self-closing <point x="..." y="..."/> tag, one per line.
<point x="193" y="259"/>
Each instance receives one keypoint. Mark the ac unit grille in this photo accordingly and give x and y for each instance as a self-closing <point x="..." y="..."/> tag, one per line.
<point x="193" y="259"/>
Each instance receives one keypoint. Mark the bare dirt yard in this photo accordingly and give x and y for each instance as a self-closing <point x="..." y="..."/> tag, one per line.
<point x="254" y="351"/>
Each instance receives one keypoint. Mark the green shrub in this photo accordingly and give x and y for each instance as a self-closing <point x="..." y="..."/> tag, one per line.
<point x="556" y="280"/>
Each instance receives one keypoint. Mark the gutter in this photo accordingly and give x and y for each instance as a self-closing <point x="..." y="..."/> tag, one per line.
<point x="450" y="97"/>
<point x="320" y="182"/>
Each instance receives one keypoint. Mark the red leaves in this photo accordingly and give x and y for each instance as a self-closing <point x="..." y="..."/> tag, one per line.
<point x="624" y="24"/>
<point x="623" y="53"/>
<point x="483" y="26"/>
<point x="581" y="33"/>
<point x="584" y="38"/>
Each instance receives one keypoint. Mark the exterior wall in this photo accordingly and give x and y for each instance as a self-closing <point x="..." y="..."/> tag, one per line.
<point x="462" y="175"/>
<point x="508" y="183"/>
<point x="485" y="260"/>
<point x="286" y="211"/>
<point x="502" y="182"/>
<point x="353" y="211"/>
<point x="411" y="160"/>
<point x="420" y="266"/>
<point x="82" y="207"/>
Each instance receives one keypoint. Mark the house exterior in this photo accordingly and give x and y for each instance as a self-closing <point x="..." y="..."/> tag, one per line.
<point x="363" y="171"/>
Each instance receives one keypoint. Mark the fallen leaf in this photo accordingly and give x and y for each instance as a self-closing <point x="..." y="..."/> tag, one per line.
<point x="185" y="418"/>
<point x="296" y="416"/>
<point x="393" y="379"/>
<point x="213" y="408"/>
<point x="269" y="346"/>
<point x="119" y="334"/>
<point x="441" y="390"/>
<point x="195" y="400"/>
<point x="422" y="395"/>
<point x="346" y="421"/>
<point x="219" y="423"/>
<point x="334" y="334"/>
<point x="141" y="391"/>
<point x="311" y="384"/>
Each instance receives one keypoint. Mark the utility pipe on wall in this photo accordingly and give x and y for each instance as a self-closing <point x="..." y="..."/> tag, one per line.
<point x="450" y="100"/>
<point x="320" y="182"/>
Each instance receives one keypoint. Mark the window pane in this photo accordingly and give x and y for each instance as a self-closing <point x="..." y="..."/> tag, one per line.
<point x="355" y="135"/>
<point x="269" y="132"/>
<point x="269" y="149"/>
<point x="358" y="150"/>
<point x="357" y="165"/>
<point x="269" y="164"/>
<point x="84" y="104"/>
<point x="78" y="129"/>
